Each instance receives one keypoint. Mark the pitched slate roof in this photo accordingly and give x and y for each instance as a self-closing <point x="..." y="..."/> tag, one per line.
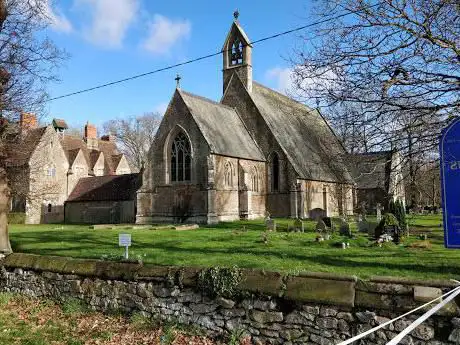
<point x="71" y="143"/>
<point x="20" y="152"/>
<point x="222" y="128"/>
<point x="108" y="148"/>
<point x="305" y="137"/>
<point x="371" y="170"/>
<point x="106" y="188"/>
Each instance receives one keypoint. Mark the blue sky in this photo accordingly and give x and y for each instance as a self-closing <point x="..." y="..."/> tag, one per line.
<point x="114" y="39"/>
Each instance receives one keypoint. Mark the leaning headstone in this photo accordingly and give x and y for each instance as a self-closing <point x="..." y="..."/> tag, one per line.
<point x="379" y="212"/>
<point x="363" y="226"/>
<point x="298" y="225"/>
<point x="317" y="213"/>
<point x="321" y="226"/>
<point x="271" y="225"/>
<point x="344" y="228"/>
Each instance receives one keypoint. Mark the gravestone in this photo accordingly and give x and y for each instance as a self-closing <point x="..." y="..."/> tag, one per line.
<point x="363" y="226"/>
<point x="329" y="224"/>
<point x="394" y="231"/>
<point x="271" y="225"/>
<point x="344" y="228"/>
<point x="379" y="212"/>
<point x="298" y="225"/>
<point x="317" y="213"/>
<point x="321" y="226"/>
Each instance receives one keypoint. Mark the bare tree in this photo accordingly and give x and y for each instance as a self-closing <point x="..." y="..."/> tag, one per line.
<point x="135" y="135"/>
<point x="387" y="75"/>
<point x="28" y="61"/>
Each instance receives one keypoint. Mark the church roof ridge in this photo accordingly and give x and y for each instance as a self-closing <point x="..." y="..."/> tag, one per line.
<point x="205" y="99"/>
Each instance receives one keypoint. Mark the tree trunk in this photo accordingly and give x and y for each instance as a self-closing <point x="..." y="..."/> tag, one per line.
<point x="5" y="246"/>
<point x="412" y="189"/>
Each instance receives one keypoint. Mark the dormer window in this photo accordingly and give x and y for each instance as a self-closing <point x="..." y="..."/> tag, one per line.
<point x="236" y="54"/>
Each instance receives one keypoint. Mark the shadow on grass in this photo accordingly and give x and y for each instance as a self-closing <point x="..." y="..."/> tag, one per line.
<point x="89" y="245"/>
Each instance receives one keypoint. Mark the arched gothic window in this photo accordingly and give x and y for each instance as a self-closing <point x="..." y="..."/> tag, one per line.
<point x="181" y="159"/>
<point x="228" y="174"/>
<point x="275" y="170"/>
<point x="254" y="180"/>
<point x="236" y="53"/>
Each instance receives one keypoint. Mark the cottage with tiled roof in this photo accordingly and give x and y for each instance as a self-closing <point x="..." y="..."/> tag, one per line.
<point x="44" y="165"/>
<point x="255" y="151"/>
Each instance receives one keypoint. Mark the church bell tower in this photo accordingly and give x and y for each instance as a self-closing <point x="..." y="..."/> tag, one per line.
<point x="237" y="51"/>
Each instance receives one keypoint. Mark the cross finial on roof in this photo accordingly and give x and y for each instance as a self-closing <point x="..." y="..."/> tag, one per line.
<point x="177" y="79"/>
<point x="236" y="14"/>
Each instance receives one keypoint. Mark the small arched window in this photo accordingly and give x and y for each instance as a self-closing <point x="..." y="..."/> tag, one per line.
<point x="181" y="159"/>
<point x="228" y="174"/>
<point x="50" y="208"/>
<point x="236" y="53"/>
<point x="254" y="180"/>
<point x="275" y="170"/>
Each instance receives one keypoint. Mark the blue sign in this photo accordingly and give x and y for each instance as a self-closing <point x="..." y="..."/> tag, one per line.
<point x="449" y="149"/>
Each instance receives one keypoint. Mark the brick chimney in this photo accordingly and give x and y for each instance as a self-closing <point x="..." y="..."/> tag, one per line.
<point x="91" y="136"/>
<point x="90" y="131"/>
<point x="28" y="121"/>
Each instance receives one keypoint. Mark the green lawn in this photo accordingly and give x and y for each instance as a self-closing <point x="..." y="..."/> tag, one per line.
<point x="228" y="244"/>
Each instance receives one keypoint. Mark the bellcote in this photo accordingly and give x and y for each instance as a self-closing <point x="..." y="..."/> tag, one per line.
<point x="237" y="55"/>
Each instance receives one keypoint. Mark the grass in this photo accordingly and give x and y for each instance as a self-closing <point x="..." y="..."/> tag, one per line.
<point x="240" y="243"/>
<point x="32" y="321"/>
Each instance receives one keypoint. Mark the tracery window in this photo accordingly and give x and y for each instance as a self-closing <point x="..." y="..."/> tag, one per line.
<point x="181" y="159"/>
<point x="236" y="56"/>
<point x="275" y="173"/>
<point x="228" y="174"/>
<point x="254" y="180"/>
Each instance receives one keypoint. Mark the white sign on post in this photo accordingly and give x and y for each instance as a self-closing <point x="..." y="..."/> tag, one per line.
<point x="124" y="240"/>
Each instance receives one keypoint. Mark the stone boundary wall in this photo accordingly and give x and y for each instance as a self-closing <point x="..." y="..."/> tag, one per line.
<point x="310" y="308"/>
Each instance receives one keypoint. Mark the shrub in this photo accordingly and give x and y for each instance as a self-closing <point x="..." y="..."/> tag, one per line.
<point x="398" y="209"/>
<point x="219" y="281"/>
<point x="388" y="219"/>
<point x="16" y="218"/>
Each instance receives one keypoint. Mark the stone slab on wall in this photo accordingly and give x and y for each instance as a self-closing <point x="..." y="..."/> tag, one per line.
<point x="272" y="308"/>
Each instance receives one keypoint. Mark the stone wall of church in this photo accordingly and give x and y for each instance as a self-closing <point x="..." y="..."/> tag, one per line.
<point x="160" y="199"/>
<point x="239" y="193"/>
<point x="277" y="201"/>
<point x="334" y="198"/>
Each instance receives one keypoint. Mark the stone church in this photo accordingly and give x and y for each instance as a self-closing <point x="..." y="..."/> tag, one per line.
<point x="254" y="152"/>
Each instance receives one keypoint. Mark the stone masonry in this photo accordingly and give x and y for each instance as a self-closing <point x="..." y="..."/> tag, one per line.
<point x="267" y="318"/>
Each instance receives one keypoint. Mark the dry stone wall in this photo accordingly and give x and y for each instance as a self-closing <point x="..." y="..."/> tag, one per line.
<point x="274" y="309"/>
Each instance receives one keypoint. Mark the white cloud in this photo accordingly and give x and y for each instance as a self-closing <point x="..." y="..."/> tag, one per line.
<point x="55" y="18"/>
<point x="164" y="33"/>
<point x="109" y="20"/>
<point x="287" y="81"/>
<point x="283" y="78"/>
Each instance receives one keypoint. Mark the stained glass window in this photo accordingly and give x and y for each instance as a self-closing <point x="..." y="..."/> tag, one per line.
<point x="180" y="159"/>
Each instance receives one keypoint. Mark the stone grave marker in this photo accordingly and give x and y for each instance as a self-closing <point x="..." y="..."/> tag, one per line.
<point x="363" y="226"/>
<point x="321" y="226"/>
<point x="379" y="212"/>
<point x="298" y="225"/>
<point x="271" y="225"/>
<point x="344" y="228"/>
<point x="317" y="213"/>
